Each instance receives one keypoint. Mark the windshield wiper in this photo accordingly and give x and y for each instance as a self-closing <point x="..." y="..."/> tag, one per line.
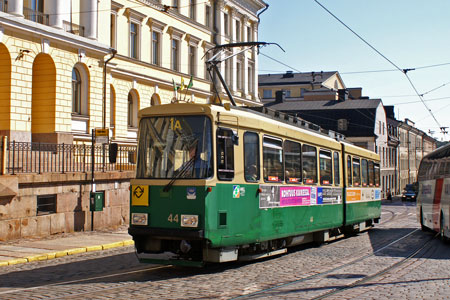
<point x="190" y="163"/>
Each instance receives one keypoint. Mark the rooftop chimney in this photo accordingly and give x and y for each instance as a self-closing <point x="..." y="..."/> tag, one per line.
<point x="288" y="74"/>
<point x="342" y="94"/>
<point x="355" y="93"/>
<point x="280" y="96"/>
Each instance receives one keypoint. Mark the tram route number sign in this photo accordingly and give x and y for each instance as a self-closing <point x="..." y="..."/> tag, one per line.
<point x="102" y="135"/>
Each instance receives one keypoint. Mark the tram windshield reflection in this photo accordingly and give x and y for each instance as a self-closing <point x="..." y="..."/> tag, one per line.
<point x="175" y="146"/>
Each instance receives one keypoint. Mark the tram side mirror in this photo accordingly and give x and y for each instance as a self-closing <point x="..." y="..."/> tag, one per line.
<point x="113" y="148"/>
<point x="235" y="139"/>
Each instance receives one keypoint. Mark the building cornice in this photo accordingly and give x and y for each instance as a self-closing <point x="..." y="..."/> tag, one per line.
<point x="249" y="8"/>
<point x="23" y="26"/>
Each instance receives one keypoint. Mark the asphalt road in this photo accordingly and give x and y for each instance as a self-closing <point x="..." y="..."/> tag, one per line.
<point x="393" y="260"/>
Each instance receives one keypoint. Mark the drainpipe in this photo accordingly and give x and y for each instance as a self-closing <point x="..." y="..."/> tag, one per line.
<point x="113" y="51"/>
<point x="264" y="9"/>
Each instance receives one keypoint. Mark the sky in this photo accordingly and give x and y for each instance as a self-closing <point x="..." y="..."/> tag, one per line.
<point x="411" y="34"/>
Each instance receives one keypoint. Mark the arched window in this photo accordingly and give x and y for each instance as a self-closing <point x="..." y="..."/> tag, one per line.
<point x="76" y="91"/>
<point x="155" y="100"/>
<point x="132" y="109"/>
<point x="80" y="90"/>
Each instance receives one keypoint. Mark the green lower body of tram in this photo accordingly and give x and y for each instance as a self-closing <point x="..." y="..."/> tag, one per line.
<point x="192" y="225"/>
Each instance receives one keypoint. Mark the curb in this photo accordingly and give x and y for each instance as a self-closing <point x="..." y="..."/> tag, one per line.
<point x="73" y="251"/>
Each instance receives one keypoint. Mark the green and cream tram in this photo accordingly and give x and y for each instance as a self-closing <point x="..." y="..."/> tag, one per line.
<point x="220" y="183"/>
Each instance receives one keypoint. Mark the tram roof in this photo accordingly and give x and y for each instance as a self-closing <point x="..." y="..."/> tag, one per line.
<point x="258" y="113"/>
<point x="441" y="152"/>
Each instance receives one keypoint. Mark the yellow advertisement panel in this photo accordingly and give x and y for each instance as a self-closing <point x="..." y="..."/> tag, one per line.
<point x="139" y="195"/>
<point x="353" y="195"/>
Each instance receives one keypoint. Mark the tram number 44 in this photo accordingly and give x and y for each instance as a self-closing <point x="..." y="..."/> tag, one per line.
<point x="173" y="218"/>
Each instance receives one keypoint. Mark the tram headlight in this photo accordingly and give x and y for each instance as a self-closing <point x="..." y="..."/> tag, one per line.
<point x="189" y="221"/>
<point x="139" y="219"/>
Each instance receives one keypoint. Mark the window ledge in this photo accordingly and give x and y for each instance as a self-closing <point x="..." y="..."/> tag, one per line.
<point x="79" y="117"/>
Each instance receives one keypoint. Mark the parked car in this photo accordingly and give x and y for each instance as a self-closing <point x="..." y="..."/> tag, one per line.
<point x="409" y="193"/>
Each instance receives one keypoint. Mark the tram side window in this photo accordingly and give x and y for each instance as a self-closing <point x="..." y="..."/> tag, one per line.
<point x="292" y="162"/>
<point x="434" y="169"/>
<point x="309" y="163"/>
<point x="441" y="168"/>
<point x="349" y="171"/>
<point x="251" y="156"/>
<point x="371" y="174"/>
<point x="364" y="172"/>
<point x="272" y="159"/>
<point x="424" y="167"/>
<point x="336" y="168"/>
<point x="356" y="171"/>
<point x="377" y="174"/>
<point x="326" y="165"/>
<point x="447" y="168"/>
<point x="225" y="154"/>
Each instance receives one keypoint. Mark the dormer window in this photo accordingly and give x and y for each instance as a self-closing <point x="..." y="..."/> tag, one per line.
<point x="342" y="124"/>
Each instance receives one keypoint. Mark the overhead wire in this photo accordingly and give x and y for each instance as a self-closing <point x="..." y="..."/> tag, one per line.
<point x="361" y="38"/>
<point x="404" y="71"/>
<point x="439" y="110"/>
<point x="436" y="88"/>
<point x="428" y="100"/>
<point x="375" y="71"/>
<point x="279" y="62"/>
<point x="391" y="70"/>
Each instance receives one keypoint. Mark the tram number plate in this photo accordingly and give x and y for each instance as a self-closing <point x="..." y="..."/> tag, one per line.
<point x="173" y="218"/>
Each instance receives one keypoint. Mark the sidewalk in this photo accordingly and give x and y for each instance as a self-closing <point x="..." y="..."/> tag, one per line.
<point x="28" y="250"/>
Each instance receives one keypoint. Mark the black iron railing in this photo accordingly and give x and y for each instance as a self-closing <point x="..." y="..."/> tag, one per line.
<point x="40" y="158"/>
<point x="35" y="16"/>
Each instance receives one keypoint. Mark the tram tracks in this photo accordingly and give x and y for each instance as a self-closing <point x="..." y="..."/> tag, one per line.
<point x="356" y="282"/>
<point x="154" y="276"/>
<point x="23" y="291"/>
<point x="362" y="281"/>
<point x="393" y="215"/>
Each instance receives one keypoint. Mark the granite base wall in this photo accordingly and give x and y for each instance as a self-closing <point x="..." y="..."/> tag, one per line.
<point x="18" y="203"/>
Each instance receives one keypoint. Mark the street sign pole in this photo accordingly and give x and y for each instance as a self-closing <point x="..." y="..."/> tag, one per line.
<point x="91" y="197"/>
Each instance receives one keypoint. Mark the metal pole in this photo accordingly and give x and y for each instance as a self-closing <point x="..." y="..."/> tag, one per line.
<point x="39" y="164"/>
<point x="63" y="158"/>
<point x="13" y="156"/>
<point x="224" y="84"/>
<point x="91" y="199"/>
<point x="113" y="51"/>
<point x="103" y="157"/>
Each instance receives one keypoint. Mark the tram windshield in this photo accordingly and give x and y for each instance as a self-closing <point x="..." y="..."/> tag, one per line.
<point x="175" y="147"/>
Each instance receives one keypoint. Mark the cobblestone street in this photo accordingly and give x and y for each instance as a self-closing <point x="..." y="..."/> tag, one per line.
<point x="391" y="261"/>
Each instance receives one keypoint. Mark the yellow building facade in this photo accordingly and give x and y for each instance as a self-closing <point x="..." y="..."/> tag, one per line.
<point x="55" y="84"/>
